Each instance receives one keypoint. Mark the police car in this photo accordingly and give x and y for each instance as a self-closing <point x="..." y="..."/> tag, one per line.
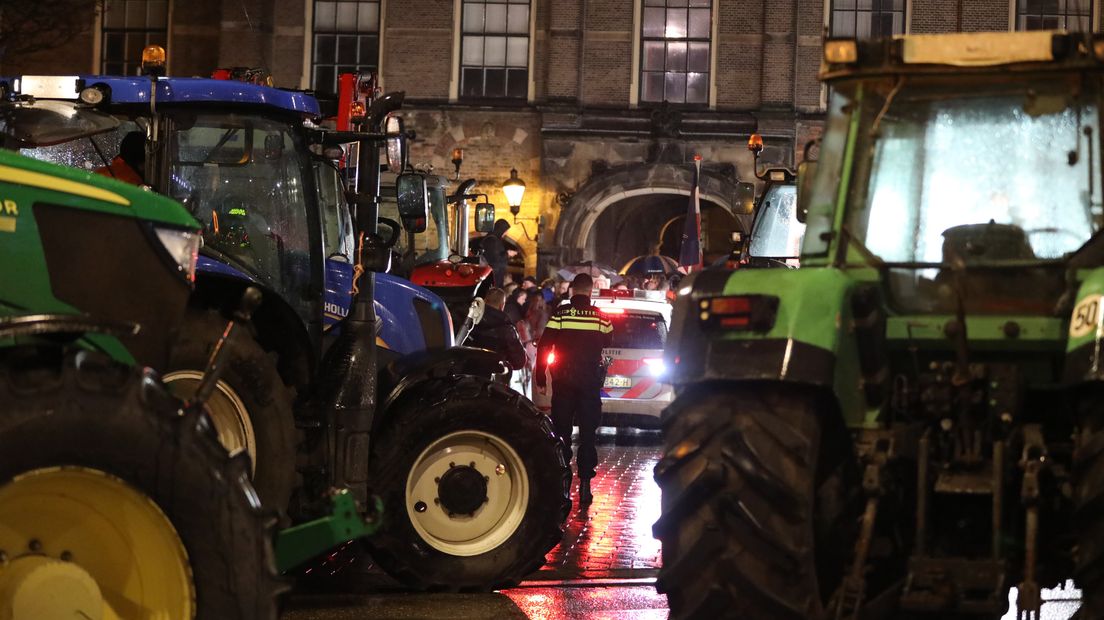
<point x="634" y="392"/>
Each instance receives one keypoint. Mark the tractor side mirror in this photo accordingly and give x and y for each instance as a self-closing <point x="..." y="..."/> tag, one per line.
<point x="412" y="196"/>
<point x="805" y="172"/>
<point x="484" y="217"/>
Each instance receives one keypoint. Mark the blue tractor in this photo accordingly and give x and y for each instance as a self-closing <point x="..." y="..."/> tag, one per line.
<point x="350" y="379"/>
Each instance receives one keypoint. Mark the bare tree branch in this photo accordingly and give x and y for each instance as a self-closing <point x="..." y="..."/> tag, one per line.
<point x="36" y="25"/>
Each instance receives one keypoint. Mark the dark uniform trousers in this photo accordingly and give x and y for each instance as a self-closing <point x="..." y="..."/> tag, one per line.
<point x="581" y="405"/>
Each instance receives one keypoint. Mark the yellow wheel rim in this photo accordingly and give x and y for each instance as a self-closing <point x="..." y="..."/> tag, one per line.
<point x="227" y="412"/>
<point x="77" y="542"/>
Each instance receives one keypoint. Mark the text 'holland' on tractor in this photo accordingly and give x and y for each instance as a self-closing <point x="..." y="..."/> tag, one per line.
<point x="347" y="378"/>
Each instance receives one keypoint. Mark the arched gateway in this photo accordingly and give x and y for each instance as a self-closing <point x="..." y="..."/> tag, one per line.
<point x="574" y="232"/>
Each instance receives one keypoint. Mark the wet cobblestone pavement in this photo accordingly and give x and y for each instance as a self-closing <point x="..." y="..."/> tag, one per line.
<point x="612" y="538"/>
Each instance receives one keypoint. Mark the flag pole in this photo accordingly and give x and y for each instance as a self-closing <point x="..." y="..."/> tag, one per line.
<point x="690" y="252"/>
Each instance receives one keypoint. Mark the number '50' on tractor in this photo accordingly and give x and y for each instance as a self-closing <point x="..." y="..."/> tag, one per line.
<point x="912" y="422"/>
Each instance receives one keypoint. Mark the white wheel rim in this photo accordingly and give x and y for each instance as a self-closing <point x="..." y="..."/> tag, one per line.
<point x="495" y="520"/>
<point x="227" y="412"/>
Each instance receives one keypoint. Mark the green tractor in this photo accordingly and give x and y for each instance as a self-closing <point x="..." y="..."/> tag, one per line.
<point x="912" y="422"/>
<point x="116" y="499"/>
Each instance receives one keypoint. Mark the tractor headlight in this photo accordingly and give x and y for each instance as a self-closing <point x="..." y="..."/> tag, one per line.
<point x="182" y="247"/>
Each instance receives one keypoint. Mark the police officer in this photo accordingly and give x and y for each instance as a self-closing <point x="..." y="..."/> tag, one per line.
<point x="575" y="334"/>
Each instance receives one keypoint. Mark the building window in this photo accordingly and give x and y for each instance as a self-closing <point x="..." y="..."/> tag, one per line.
<point x="676" y="56"/>
<point x="865" y="19"/>
<point x="494" y="58"/>
<point x="1072" y="15"/>
<point x="129" y="26"/>
<point x="346" y="40"/>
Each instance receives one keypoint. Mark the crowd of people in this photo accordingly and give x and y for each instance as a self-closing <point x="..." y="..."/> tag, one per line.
<point x="527" y="305"/>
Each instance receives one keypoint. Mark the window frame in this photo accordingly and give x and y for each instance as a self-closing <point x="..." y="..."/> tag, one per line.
<point x="524" y="96"/>
<point x="905" y="11"/>
<point x="104" y="30"/>
<point x="1014" y="16"/>
<point x="642" y="39"/>
<point x="311" y="42"/>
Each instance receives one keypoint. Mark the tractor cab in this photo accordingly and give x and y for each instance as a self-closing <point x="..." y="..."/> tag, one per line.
<point x="939" y="350"/>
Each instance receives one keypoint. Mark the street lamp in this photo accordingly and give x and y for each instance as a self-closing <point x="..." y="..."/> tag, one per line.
<point x="514" y="188"/>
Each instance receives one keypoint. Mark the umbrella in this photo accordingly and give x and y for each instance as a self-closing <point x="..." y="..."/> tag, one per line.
<point x="650" y="264"/>
<point x="568" y="272"/>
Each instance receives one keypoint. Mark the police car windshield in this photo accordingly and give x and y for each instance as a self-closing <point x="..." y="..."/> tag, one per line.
<point x="638" y="331"/>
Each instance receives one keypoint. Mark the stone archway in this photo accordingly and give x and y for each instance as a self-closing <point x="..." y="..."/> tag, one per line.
<point x="603" y="190"/>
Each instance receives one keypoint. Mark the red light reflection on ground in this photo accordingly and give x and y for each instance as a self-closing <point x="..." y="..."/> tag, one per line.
<point x="612" y="538"/>
<point x="598" y="603"/>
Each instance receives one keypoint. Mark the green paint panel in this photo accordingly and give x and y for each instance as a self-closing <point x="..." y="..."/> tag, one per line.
<point x="24" y="278"/>
<point x="810" y="306"/>
<point x="298" y="544"/>
<point x="1085" y="324"/>
<point x="1036" y="333"/>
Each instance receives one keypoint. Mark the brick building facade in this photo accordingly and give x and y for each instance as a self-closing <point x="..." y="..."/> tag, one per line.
<point x="574" y="101"/>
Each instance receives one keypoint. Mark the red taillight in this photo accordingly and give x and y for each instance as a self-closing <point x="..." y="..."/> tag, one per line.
<point x="754" y="312"/>
<point x="551" y="357"/>
<point x="730" y="305"/>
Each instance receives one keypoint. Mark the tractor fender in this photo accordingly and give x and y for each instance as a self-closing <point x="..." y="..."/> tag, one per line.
<point x="810" y="337"/>
<point x="409" y="371"/>
<point x="278" y="328"/>
<point x="1084" y="361"/>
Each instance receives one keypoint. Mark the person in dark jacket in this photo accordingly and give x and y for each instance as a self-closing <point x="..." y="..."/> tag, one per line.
<point x="515" y="302"/>
<point x="494" y="251"/>
<point x="575" y="335"/>
<point x="496" y="332"/>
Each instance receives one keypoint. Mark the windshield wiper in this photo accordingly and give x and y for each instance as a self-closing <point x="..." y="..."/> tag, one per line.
<point x="106" y="163"/>
<point x="221" y="143"/>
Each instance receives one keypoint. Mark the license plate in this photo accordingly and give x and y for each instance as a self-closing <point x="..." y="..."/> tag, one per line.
<point x="618" y="382"/>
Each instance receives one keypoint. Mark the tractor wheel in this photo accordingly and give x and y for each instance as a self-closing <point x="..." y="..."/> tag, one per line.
<point x="114" y="505"/>
<point x="251" y="408"/>
<point x="474" y="486"/>
<point x="1088" y="475"/>
<point x="757" y="520"/>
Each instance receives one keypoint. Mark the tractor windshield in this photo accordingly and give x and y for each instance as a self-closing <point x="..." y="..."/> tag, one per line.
<point x="242" y="177"/>
<point x="777" y="234"/>
<point x="1006" y="172"/>
<point x="971" y="194"/>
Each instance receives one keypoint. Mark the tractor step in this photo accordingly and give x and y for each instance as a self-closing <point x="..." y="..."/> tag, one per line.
<point x="958" y="585"/>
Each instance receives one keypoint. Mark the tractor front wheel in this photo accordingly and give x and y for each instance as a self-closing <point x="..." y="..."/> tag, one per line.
<point x="474" y="485"/>
<point x="756" y="516"/>
<point x="251" y="408"/>
<point x="114" y="505"/>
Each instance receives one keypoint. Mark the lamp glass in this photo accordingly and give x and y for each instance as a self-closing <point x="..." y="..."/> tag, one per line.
<point x="514" y="188"/>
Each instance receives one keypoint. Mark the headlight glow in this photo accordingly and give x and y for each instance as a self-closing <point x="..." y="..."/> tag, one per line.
<point x="655" y="366"/>
<point x="183" y="248"/>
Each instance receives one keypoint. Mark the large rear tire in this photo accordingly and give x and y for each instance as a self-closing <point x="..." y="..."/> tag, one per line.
<point x="756" y="520"/>
<point x="1088" y="475"/>
<point x="251" y="407"/>
<point x="483" y="453"/>
<point x="111" y="498"/>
